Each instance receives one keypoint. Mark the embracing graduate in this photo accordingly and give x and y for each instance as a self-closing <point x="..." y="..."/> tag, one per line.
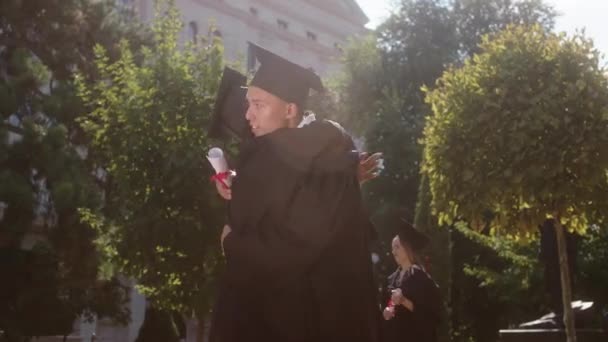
<point x="296" y="242"/>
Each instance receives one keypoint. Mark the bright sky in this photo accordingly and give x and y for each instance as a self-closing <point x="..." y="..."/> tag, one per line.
<point x="592" y="15"/>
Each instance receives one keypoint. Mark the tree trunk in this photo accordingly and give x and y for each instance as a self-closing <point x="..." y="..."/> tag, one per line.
<point x="200" y="330"/>
<point x="565" y="280"/>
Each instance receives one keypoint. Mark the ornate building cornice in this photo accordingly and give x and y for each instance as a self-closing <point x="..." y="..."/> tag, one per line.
<point x="268" y="28"/>
<point x="358" y="17"/>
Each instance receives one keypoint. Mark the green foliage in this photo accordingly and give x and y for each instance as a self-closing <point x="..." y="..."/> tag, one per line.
<point x="521" y="266"/>
<point x="147" y="123"/>
<point x="30" y="309"/>
<point x="379" y="91"/>
<point x="44" y="178"/>
<point x="476" y="18"/>
<point x="65" y="31"/>
<point x="592" y="261"/>
<point x="497" y="283"/>
<point x="358" y="87"/>
<point x="381" y="98"/>
<point x="519" y="131"/>
<point x="415" y="44"/>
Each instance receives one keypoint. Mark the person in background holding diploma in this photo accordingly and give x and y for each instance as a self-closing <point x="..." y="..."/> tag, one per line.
<point x="412" y="312"/>
<point x="297" y="230"/>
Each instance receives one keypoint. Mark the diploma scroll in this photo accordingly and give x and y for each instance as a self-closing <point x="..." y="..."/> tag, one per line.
<point x="223" y="174"/>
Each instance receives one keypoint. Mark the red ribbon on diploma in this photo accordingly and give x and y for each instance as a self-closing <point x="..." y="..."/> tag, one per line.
<point x="222" y="177"/>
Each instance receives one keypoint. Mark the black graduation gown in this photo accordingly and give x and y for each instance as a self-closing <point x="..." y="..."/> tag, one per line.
<point x="421" y="324"/>
<point x="298" y="259"/>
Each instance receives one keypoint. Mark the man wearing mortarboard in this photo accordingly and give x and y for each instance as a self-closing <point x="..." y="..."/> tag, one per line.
<point x="298" y="264"/>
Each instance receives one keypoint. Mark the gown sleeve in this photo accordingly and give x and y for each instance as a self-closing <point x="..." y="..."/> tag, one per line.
<point x="424" y="294"/>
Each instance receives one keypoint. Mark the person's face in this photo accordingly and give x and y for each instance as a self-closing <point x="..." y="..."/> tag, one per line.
<point x="400" y="252"/>
<point x="267" y="112"/>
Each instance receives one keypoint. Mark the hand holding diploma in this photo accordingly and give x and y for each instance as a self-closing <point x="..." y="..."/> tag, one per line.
<point x="223" y="175"/>
<point x="388" y="313"/>
<point x="398" y="298"/>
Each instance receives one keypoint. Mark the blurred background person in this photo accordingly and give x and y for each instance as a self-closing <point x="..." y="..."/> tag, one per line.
<point x="413" y="301"/>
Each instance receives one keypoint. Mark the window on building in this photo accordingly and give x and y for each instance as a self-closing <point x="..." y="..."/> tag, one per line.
<point x="283" y="25"/>
<point x="311" y="36"/>
<point x="192" y="31"/>
<point x="253" y="11"/>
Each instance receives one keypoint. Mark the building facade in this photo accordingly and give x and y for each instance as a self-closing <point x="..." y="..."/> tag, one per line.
<point x="308" y="32"/>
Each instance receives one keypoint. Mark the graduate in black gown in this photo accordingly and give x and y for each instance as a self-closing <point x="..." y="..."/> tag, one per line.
<point x="413" y="299"/>
<point x="297" y="240"/>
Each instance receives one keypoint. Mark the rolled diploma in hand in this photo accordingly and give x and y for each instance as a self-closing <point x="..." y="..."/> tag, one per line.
<point x="222" y="173"/>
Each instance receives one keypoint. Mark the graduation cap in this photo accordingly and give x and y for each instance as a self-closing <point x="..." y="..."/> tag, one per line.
<point x="230" y="107"/>
<point x="284" y="79"/>
<point x="416" y="239"/>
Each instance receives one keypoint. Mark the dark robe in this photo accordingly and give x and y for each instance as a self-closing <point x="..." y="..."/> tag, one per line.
<point x="419" y="325"/>
<point x="298" y="260"/>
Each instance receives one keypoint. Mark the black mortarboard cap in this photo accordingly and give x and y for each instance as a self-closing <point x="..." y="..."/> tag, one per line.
<point x="284" y="79"/>
<point x="230" y="107"/>
<point x="412" y="236"/>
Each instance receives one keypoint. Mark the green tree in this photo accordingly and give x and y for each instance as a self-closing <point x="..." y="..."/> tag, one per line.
<point x="147" y="123"/>
<point x="44" y="178"/>
<point x="519" y="131"/>
<point x="415" y="46"/>
<point x="593" y="275"/>
<point x="475" y="18"/>
<point x="380" y="98"/>
<point x="357" y="89"/>
<point x="379" y="91"/>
